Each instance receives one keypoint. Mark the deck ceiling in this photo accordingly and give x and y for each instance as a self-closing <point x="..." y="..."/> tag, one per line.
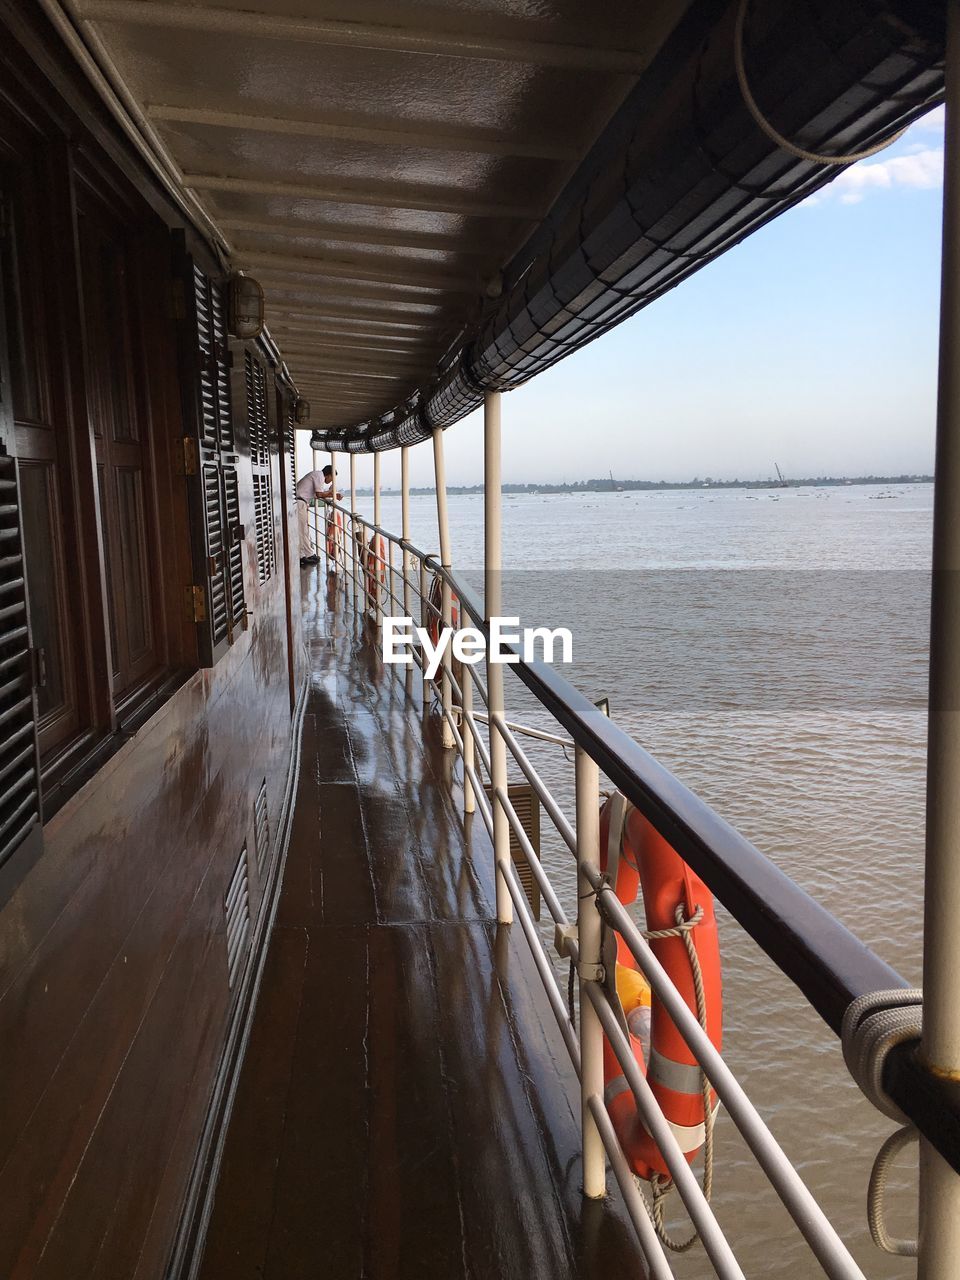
<point x="375" y="164"/>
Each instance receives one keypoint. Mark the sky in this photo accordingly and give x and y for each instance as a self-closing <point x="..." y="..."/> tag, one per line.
<point x="812" y="345"/>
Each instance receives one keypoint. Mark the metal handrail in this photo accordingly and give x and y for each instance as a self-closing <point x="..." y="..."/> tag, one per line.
<point x="827" y="962"/>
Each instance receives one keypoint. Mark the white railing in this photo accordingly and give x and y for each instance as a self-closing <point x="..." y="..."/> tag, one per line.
<point x="385" y="573"/>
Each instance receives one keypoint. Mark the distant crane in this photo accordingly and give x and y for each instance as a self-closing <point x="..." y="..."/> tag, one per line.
<point x="614" y="487"/>
<point x="783" y="484"/>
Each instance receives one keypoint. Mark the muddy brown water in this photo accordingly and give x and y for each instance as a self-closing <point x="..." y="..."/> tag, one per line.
<point x="770" y="648"/>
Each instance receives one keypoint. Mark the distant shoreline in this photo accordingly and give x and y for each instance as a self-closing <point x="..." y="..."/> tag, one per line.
<point x="644" y="486"/>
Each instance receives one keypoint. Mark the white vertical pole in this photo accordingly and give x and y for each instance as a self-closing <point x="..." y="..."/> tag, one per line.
<point x="329" y="513"/>
<point x="405" y="534"/>
<point x="443" y="525"/>
<point x="313" y="505"/>
<point x="376" y="562"/>
<point x="357" y="587"/>
<point x="405" y="522"/>
<point x="425" y="620"/>
<point x="940" y="1047"/>
<point x="588" y="936"/>
<point x="492" y="608"/>
<point x="466" y="688"/>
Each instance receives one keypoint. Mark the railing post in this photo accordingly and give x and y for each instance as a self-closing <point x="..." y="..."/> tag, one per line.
<point x="391" y="582"/>
<point x="313" y="505"/>
<point x="588" y="936"/>
<point x="375" y="543"/>
<point x="940" y="1045"/>
<point x="466" y="690"/>
<point x="353" y="531"/>
<point x="425" y="620"/>
<point x="492" y="607"/>
<point x="405" y="534"/>
<point x="330" y="514"/>
<point x="443" y="526"/>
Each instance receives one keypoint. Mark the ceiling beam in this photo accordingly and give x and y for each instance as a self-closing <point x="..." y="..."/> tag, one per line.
<point x="363" y="319"/>
<point x="294" y="350"/>
<point x="335" y="337"/>
<point x="354" y="399"/>
<point x="354" y="235"/>
<point x="405" y="315"/>
<point x="365" y="386"/>
<point x="392" y="355"/>
<point x="340" y="269"/>
<point x="337" y="33"/>
<point x="421" y="199"/>
<point x="377" y="133"/>
<point x="372" y="338"/>
<point x="311" y="359"/>
<point x="351" y="376"/>
<point x="340" y="291"/>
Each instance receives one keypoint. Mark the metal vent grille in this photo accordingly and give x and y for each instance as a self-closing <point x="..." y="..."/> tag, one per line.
<point x="19" y="792"/>
<point x="261" y="828"/>
<point x="237" y="906"/>
<point x="263" y="514"/>
<point x="527" y="808"/>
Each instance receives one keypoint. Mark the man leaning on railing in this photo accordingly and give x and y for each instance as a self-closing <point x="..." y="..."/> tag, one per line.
<point x="314" y="486"/>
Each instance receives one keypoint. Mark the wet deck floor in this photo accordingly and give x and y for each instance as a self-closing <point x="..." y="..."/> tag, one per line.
<point x="406" y="1106"/>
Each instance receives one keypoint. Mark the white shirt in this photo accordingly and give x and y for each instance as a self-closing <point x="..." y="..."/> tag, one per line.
<point x="313" y="485"/>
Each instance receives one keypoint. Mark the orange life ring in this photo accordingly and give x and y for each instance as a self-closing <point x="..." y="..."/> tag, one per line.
<point x="436" y="601"/>
<point x="375" y="558"/>
<point x="433" y="625"/>
<point x="647" y="862"/>
<point x="334" y="522"/>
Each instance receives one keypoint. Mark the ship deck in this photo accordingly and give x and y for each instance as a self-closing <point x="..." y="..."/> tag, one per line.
<point x="406" y="1106"/>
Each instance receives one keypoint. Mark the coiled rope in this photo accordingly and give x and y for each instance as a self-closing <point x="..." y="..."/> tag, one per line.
<point x="813" y="157"/>
<point x="872" y="1025"/>
<point x="877" y="1188"/>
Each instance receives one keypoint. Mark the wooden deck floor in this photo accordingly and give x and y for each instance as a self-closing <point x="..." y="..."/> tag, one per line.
<point x="406" y="1107"/>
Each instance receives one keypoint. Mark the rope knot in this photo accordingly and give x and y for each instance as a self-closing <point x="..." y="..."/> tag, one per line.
<point x="872" y="1026"/>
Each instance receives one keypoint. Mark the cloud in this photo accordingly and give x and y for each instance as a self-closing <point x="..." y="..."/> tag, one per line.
<point x="932" y="122"/>
<point x="920" y="169"/>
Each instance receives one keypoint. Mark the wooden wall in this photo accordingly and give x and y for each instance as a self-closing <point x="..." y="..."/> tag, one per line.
<point x="115" y="1001"/>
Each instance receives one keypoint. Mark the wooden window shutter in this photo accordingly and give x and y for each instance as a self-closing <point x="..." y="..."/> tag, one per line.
<point x="20" y="811"/>
<point x="258" y="427"/>
<point x="216" y="596"/>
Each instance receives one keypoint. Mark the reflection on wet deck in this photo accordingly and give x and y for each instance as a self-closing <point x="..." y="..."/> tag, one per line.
<point x="406" y="1107"/>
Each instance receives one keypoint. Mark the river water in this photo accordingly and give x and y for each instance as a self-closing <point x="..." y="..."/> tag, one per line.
<point x="770" y="648"/>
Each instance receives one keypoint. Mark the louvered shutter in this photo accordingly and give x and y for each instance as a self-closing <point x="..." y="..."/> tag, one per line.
<point x="217" y="593"/>
<point x="258" y="427"/>
<point x="291" y="442"/>
<point x="20" y="811"/>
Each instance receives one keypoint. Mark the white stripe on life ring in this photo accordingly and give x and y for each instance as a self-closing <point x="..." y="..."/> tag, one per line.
<point x="689" y="1137"/>
<point x="680" y="1077"/>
